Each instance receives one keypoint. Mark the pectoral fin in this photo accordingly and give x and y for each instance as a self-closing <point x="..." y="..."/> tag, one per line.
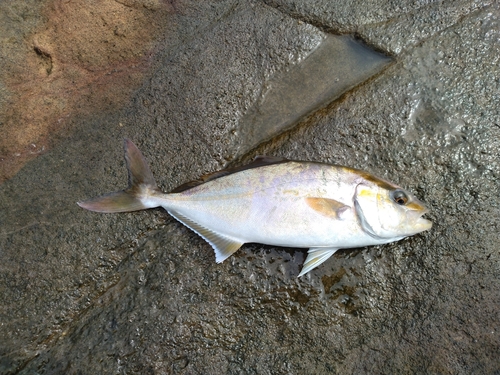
<point x="327" y="207"/>
<point x="316" y="256"/>
<point x="223" y="246"/>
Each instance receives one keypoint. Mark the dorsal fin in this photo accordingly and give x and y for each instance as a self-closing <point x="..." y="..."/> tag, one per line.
<point x="258" y="161"/>
<point x="261" y="160"/>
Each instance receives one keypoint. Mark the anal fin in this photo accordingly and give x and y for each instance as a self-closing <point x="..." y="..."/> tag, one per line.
<point x="316" y="256"/>
<point x="223" y="246"/>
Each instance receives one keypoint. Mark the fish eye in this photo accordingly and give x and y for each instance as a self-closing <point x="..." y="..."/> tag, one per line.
<point x="400" y="197"/>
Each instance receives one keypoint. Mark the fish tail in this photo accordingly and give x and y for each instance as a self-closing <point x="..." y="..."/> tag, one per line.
<point x="139" y="195"/>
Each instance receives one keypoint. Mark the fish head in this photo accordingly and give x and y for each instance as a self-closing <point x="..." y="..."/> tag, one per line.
<point x="387" y="211"/>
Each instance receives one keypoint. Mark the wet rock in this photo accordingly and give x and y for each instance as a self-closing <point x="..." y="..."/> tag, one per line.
<point x="138" y="293"/>
<point x="392" y="26"/>
<point x="335" y="66"/>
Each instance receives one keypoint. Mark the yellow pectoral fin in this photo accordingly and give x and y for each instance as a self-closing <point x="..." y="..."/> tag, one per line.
<point x="327" y="207"/>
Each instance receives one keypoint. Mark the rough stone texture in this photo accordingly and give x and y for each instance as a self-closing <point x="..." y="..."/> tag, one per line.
<point x="393" y="26"/>
<point x="138" y="293"/>
<point x="86" y="56"/>
<point x="338" y="64"/>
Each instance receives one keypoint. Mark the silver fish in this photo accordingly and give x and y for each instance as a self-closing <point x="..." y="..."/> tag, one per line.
<point x="277" y="202"/>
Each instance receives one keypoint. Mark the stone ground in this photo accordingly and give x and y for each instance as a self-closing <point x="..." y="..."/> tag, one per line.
<point x="410" y="91"/>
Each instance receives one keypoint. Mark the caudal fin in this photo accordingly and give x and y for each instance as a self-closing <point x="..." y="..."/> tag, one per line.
<point x="142" y="187"/>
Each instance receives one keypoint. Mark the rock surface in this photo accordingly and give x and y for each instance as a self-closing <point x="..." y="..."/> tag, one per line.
<point x="138" y="293"/>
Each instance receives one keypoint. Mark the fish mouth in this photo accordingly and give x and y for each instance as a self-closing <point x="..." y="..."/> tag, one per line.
<point x="419" y="223"/>
<point x="422" y="223"/>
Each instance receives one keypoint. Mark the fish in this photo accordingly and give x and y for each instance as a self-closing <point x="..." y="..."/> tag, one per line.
<point x="279" y="202"/>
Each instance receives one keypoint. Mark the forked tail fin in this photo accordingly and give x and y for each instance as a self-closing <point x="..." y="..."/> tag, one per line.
<point x="138" y="196"/>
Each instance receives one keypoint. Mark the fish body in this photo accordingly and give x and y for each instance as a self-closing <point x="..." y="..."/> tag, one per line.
<point x="279" y="202"/>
